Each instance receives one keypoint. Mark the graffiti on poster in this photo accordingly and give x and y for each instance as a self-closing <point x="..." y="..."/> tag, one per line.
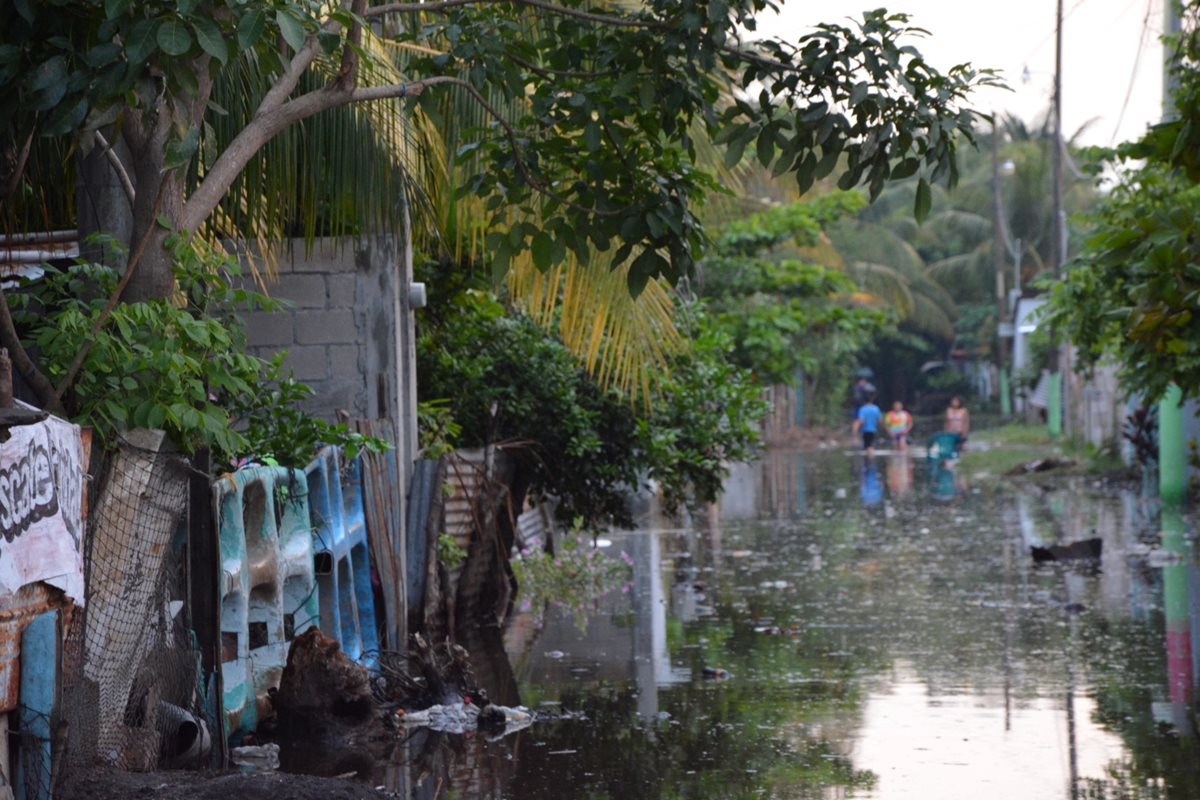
<point x="41" y="497"/>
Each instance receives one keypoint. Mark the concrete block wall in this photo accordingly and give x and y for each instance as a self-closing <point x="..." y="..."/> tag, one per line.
<point x="339" y="327"/>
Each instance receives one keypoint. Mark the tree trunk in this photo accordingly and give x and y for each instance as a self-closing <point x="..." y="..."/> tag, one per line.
<point x="159" y="194"/>
<point x="160" y="191"/>
<point x="102" y="206"/>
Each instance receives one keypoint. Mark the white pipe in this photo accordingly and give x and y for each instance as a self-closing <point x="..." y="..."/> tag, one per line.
<point x="40" y="238"/>
<point x="36" y="256"/>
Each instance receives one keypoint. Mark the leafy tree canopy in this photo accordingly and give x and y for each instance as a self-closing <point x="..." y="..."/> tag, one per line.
<point x="783" y="315"/>
<point x="592" y="113"/>
<point x="1132" y="294"/>
<point x="506" y="381"/>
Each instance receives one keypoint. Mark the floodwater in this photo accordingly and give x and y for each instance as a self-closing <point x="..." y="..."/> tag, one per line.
<point x="887" y="636"/>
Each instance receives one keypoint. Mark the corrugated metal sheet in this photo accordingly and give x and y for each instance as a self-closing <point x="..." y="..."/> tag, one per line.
<point x="16" y="612"/>
<point x="465" y="478"/>
<point x="384" y="507"/>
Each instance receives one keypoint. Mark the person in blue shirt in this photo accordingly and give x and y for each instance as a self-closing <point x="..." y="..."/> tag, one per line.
<point x="866" y="422"/>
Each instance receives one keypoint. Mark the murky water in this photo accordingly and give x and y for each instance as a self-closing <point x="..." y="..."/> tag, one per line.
<point x="887" y="636"/>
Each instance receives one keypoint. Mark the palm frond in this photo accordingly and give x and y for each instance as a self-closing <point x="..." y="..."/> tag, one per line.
<point x="885" y="282"/>
<point x="930" y="318"/>
<point x="624" y="342"/>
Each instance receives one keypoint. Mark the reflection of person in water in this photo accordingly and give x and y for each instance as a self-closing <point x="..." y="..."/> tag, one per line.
<point x="944" y="480"/>
<point x="899" y="475"/>
<point x="871" y="489"/>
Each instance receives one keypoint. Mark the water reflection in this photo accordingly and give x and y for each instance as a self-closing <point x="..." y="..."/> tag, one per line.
<point x="915" y="653"/>
<point x="899" y="475"/>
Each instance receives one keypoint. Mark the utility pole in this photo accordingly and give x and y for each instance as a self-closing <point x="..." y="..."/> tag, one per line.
<point x="1054" y="398"/>
<point x="1172" y="464"/>
<point x="998" y="247"/>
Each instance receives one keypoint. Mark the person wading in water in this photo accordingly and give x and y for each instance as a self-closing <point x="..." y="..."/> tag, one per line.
<point x="867" y="423"/>
<point x="958" y="421"/>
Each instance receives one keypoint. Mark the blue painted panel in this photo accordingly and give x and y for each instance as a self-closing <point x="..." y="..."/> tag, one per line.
<point x="41" y="663"/>
<point x="339" y="529"/>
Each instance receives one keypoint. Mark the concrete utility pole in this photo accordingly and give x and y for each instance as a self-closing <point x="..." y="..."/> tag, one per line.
<point x="1172" y="464"/>
<point x="998" y="247"/>
<point x="1054" y="400"/>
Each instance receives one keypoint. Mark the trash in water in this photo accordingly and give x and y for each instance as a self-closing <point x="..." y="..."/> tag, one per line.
<point x="256" y="758"/>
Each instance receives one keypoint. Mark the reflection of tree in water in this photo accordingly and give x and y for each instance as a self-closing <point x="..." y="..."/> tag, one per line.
<point x="712" y="742"/>
<point x="810" y="616"/>
<point x="1128" y="674"/>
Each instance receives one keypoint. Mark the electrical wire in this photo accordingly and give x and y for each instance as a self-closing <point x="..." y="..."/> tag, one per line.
<point x="1050" y="35"/>
<point x="1137" y="61"/>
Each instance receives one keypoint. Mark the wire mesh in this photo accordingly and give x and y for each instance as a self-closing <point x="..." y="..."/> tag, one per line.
<point x="131" y="694"/>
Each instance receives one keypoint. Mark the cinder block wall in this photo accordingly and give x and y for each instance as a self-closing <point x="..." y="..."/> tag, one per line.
<point x="339" y="329"/>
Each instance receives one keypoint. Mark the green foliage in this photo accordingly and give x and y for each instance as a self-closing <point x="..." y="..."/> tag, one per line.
<point x="1132" y="294"/>
<point x="706" y="416"/>
<point x="180" y="366"/>
<point x="949" y="382"/>
<point x="512" y="384"/>
<point x="783" y="316"/>
<point x="69" y="66"/>
<point x="800" y="223"/>
<point x="574" y="578"/>
<point x="436" y="429"/>
<point x="611" y="160"/>
<point x="449" y="553"/>
<point x="586" y="120"/>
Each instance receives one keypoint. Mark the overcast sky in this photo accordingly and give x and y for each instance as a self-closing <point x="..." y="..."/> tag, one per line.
<point x="1101" y="60"/>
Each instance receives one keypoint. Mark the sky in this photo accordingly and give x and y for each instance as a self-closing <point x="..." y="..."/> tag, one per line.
<point x="1101" y="59"/>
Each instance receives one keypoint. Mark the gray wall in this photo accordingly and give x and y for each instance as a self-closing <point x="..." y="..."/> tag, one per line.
<point x="340" y="328"/>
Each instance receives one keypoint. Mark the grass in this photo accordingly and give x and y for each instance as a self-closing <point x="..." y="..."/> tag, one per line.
<point x="997" y="450"/>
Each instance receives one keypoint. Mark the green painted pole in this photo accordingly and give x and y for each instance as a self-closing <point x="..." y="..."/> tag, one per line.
<point x="1172" y="463"/>
<point x="1054" y="405"/>
<point x="799" y="384"/>
<point x="1005" y="395"/>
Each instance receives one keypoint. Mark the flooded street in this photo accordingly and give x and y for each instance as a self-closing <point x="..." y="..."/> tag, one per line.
<point x="851" y="630"/>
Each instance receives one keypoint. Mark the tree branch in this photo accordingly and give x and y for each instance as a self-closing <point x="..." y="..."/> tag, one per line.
<point x="439" y="6"/>
<point x="550" y="74"/>
<point x="760" y="60"/>
<point x="18" y="168"/>
<point x="511" y="133"/>
<point x="115" y="161"/>
<point x="38" y="382"/>
<point x="348" y="72"/>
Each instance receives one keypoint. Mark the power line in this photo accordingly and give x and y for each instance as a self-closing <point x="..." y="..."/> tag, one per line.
<point x="1137" y="60"/>
<point x="1050" y="35"/>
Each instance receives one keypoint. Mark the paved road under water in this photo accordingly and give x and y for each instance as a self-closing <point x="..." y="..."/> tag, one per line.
<point x="887" y="636"/>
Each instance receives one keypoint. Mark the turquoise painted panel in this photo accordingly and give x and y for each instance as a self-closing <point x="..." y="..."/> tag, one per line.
<point x="268" y="592"/>
<point x="41" y="665"/>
